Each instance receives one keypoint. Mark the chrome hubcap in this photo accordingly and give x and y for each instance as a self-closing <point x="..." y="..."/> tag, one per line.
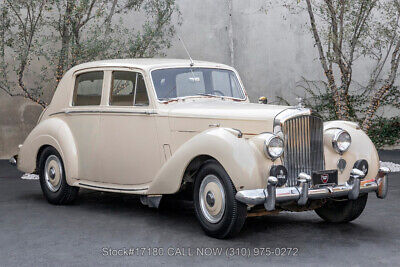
<point x="53" y="173"/>
<point x="212" y="198"/>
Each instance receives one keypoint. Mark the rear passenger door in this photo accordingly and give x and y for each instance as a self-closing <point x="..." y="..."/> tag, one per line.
<point x="83" y="118"/>
<point x="129" y="147"/>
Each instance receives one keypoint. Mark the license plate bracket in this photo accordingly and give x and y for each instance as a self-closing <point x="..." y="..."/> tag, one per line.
<point x="324" y="178"/>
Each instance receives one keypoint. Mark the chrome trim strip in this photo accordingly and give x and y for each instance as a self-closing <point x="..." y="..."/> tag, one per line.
<point x="187" y="131"/>
<point x="128" y="112"/>
<point x="56" y="113"/>
<point x="110" y="188"/>
<point x="289" y="113"/>
<point x="104" y="112"/>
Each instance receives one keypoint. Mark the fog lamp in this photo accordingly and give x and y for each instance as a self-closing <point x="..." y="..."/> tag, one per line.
<point x="280" y="172"/>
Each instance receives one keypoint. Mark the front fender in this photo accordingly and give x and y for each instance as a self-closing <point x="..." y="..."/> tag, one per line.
<point x="361" y="148"/>
<point x="243" y="161"/>
<point x="53" y="132"/>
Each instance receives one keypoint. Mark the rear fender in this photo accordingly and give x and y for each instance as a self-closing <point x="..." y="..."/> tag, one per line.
<point x="50" y="132"/>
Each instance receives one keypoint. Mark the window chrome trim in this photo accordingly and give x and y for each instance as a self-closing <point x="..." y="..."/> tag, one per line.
<point x="196" y="96"/>
<point x="136" y="73"/>
<point x="75" y="88"/>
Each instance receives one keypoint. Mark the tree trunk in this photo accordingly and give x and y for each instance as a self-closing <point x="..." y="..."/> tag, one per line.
<point x="65" y="40"/>
<point x="110" y="16"/>
<point x="382" y="92"/>
<point x="328" y="71"/>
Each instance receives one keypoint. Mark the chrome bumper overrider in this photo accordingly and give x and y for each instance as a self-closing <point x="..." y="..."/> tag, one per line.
<point x="13" y="161"/>
<point x="301" y="193"/>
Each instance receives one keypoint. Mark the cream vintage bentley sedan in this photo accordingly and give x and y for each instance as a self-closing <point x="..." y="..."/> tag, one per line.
<point x="157" y="127"/>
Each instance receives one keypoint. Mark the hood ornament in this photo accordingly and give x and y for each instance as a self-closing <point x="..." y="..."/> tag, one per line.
<point x="300" y="103"/>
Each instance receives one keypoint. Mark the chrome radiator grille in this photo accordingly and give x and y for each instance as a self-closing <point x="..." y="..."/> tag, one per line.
<point x="303" y="146"/>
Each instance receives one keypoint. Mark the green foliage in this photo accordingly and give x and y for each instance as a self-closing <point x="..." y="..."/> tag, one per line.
<point x="349" y="35"/>
<point x="385" y="131"/>
<point x="59" y="34"/>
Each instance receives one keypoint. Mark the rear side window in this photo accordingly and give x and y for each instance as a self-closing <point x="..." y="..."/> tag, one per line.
<point x="88" y="87"/>
<point x="127" y="89"/>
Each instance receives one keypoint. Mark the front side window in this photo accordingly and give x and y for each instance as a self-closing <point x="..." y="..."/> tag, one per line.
<point x="127" y="89"/>
<point x="88" y="88"/>
<point x="181" y="82"/>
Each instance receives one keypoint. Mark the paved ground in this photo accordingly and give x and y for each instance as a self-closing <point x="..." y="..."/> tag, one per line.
<point x="33" y="232"/>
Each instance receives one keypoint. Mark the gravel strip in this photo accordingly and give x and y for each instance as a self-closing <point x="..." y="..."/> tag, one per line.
<point x="393" y="167"/>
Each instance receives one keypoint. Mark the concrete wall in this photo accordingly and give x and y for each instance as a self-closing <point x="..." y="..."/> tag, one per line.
<point x="17" y="118"/>
<point x="271" y="52"/>
<point x="271" y="49"/>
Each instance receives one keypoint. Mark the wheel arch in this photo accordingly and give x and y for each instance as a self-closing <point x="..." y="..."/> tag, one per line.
<point x="194" y="166"/>
<point x="235" y="154"/>
<point x="39" y="154"/>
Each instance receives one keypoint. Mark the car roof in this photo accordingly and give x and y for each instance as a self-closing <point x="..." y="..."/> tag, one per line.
<point x="147" y="63"/>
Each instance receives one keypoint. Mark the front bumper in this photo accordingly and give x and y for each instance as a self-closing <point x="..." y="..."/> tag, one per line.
<point x="301" y="193"/>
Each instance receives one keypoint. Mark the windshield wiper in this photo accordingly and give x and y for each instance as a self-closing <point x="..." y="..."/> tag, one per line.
<point x="205" y="94"/>
<point x="202" y="94"/>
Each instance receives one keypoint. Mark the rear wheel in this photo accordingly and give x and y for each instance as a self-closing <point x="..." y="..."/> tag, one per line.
<point x="219" y="213"/>
<point x="52" y="178"/>
<point x="343" y="210"/>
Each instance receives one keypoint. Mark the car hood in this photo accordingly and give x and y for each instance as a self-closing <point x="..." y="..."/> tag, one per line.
<point x="197" y="116"/>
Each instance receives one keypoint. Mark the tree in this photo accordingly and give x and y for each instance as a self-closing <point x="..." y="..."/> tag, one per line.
<point x="347" y="34"/>
<point x="20" y="23"/>
<point x="58" y="34"/>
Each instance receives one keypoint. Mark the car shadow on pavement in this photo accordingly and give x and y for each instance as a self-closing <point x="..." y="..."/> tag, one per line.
<point x="181" y="213"/>
<point x="179" y="218"/>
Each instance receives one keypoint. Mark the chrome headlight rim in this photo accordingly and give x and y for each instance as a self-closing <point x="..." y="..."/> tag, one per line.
<point x="267" y="142"/>
<point x="335" y="139"/>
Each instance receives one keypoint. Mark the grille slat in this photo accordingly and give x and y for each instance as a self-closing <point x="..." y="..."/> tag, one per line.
<point x="303" y="146"/>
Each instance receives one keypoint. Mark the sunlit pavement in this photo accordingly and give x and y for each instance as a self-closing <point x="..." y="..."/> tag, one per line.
<point x="33" y="232"/>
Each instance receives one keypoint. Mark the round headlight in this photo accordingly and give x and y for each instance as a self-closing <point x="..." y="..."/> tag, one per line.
<point x="341" y="141"/>
<point x="273" y="147"/>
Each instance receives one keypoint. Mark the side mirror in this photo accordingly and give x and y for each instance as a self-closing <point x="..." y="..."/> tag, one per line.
<point x="263" y="100"/>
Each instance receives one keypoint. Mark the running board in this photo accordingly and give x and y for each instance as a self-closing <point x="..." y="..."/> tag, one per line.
<point x="111" y="188"/>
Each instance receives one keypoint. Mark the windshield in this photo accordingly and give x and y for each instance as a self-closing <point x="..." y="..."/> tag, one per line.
<point x="181" y="82"/>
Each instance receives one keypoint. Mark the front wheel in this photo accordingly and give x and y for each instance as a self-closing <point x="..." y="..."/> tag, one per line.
<point x="341" y="211"/>
<point x="52" y="178"/>
<point x="219" y="213"/>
